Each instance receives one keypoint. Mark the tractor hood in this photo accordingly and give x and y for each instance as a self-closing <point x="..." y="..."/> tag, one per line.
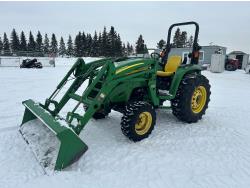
<point x="131" y="66"/>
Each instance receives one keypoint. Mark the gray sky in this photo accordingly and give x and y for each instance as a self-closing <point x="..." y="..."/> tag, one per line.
<point x="223" y="23"/>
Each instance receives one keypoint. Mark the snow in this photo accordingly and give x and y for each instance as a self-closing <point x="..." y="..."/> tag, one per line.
<point x="215" y="152"/>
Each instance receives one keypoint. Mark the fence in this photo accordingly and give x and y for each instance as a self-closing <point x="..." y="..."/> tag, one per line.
<point x="11" y="61"/>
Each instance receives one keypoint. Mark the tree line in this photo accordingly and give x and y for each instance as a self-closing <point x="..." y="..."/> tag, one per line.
<point x="105" y="43"/>
<point x="108" y="44"/>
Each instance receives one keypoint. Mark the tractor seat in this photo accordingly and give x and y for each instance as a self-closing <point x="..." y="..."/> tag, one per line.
<point x="170" y="67"/>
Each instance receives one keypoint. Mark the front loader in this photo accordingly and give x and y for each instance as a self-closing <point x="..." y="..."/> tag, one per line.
<point x="133" y="86"/>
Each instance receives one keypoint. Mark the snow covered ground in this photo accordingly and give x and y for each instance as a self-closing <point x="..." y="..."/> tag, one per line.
<point x="215" y="152"/>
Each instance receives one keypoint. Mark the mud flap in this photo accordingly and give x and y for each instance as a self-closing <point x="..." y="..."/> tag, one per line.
<point x="40" y="126"/>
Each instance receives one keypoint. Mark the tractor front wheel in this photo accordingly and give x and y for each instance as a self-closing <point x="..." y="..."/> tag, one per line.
<point x="138" y="120"/>
<point x="192" y="98"/>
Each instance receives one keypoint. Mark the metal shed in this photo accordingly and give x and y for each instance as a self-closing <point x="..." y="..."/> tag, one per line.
<point x="241" y="56"/>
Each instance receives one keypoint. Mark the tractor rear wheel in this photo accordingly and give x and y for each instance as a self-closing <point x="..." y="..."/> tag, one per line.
<point x="138" y="120"/>
<point x="192" y="98"/>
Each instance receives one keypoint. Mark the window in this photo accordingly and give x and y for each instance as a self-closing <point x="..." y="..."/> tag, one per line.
<point x="201" y="55"/>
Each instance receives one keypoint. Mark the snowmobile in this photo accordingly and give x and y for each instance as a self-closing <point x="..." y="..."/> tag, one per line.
<point x="31" y="63"/>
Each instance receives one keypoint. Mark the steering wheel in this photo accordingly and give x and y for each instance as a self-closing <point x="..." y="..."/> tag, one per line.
<point x="155" y="55"/>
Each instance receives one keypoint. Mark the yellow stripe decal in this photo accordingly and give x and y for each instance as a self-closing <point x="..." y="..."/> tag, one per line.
<point x="127" y="67"/>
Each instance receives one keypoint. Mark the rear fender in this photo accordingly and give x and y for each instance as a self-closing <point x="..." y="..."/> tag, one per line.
<point x="180" y="73"/>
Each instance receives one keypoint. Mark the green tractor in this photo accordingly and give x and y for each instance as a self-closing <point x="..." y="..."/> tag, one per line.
<point x="134" y="86"/>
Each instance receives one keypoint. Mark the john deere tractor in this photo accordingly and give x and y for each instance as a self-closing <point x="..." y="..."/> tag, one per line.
<point x="136" y="87"/>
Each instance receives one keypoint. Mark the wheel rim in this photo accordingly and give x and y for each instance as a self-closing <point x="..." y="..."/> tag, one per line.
<point x="143" y="123"/>
<point x="199" y="99"/>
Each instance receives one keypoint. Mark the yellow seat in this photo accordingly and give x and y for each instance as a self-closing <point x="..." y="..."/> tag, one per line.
<point x="170" y="67"/>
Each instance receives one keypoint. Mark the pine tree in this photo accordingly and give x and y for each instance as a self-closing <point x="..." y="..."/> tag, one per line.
<point x="62" y="48"/>
<point x="104" y="42"/>
<point x="31" y="43"/>
<point x="190" y="41"/>
<point x="118" y="46"/>
<point x="141" y="48"/>
<point x="6" y="45"/>
<point x="1" y="46"/>
<point x="183" y="39"/>
<point x="83" y="51"/>
<point x="78" y="45"/>
<point x="95" y="46"/>
<point x="70" y="48"/>
<point x="111" y="43"/>
<point x="124" y="50"/>
<point x="15" y="43"/>
<point x="176" y="39"/>
<point x="46" y="44"/>
<point x="39" y="42"/>
<point x="130" y="48"/>
<point x="100" y="52"/>
<point x="88" y="45"/>
<point x="23" y="42"/>
<point x="53" y="45"/>
<point x="161" y="44"/>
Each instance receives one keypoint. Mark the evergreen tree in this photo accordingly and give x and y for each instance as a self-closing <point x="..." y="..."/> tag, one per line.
<point x="83" y="50"/>
<point x="89" y="44"/>
<point x="124" y="50"/>
<point x="190" y="41"/>
<point x="23" y="42"/>
<point x="95" y="46"/>
<point x="100" y="51"/>
<point x="46" y="44"/>
<point x="31" y="43"/>
<point x="78" y="45"/>
<point x="104" y="42"/>
<point x="70" y="48"/>
<point x="118" y="46"/>
<point x="62" y="48"/>
<point x="39" y="42"/>
<point x="161" y="44"/>
<point x="1" y="46"/>
<point x="15" y="43"/>
<point x="183" y="39"/>
<point x="130" y="49"/>
<point x="176" y="39"/>
<point x="6" y="45"/>
<point x="53" y="45"/>
<point x="141" y="48"/>
<point x="111" y="42"/>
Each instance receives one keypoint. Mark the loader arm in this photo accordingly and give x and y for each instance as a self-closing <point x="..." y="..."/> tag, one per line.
<point x="71" y="146"/>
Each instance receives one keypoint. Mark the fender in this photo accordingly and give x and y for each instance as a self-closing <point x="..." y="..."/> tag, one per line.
<point x="180" y="73"/>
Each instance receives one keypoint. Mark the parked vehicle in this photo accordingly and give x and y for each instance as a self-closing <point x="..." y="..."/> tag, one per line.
<point x="31" y="63"/>
<point x="231" y="64"/>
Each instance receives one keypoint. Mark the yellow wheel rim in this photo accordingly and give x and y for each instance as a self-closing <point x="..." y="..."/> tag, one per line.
<point x="143" y="123"/>
<point x="199" y="99"/>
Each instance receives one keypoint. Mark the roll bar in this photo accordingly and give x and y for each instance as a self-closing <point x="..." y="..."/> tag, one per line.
<point x="196" y="46"/>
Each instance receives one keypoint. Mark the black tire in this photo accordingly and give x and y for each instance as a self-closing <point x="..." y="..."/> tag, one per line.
<point x="100" y="114"/>
<point x="230" y="67"/>
<point x="182" y="103"/>
<point x="132" y="114"/>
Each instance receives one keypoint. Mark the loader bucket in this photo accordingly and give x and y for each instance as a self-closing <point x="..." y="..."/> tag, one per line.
<point x="71" y="147"/>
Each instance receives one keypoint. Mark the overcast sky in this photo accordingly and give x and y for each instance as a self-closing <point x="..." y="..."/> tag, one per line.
<point x="223" y="23"/>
